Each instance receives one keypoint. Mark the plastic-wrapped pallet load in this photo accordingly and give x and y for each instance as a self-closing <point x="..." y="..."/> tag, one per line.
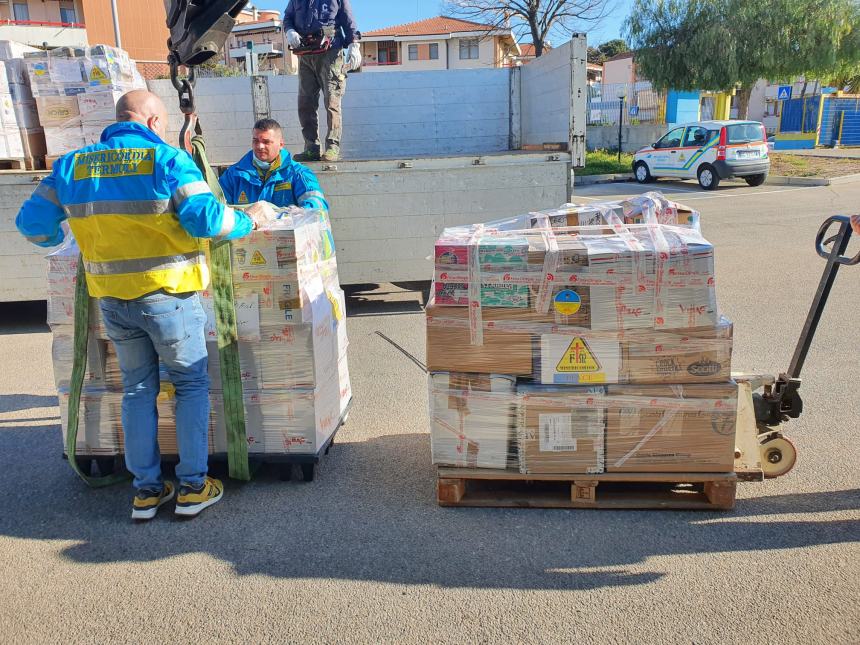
<point x="76" y="91"/>
<point x="16" y="96"/>
<point x="581" y="340"/>
<point x="293" y="346"/>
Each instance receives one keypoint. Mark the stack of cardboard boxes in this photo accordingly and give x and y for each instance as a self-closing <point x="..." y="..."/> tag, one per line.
<point x="291" y="318"/>
<point x="21" y="136"/>
<point x="581" y="340"/>
<point x="76" y="91"/>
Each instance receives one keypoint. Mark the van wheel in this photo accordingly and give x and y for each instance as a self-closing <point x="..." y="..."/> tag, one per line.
<point x="708" y="177"/>
<point x="642" y="174"/>
<point x="756" y="180"/>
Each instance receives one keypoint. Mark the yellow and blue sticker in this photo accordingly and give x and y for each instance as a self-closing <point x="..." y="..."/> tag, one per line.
<point x="567" y="302"/>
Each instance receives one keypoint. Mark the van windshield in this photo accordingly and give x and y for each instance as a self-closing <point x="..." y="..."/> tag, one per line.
<point x="744" y="133"/>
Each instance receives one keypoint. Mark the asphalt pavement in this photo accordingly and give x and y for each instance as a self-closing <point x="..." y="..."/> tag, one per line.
<point x="364" y="554"/>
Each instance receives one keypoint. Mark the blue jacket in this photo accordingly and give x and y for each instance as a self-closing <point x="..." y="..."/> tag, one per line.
<point x="166" y="176"/>
<point x="309" y="16"/>
<point x="290" y="184"/>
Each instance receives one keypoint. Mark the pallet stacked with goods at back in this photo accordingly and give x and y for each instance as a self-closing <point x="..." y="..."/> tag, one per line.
<point x="577" y="358"/>
<point x="22" y="140"/>
<point x="290" y="313"/>
<point x="76" y="90"/>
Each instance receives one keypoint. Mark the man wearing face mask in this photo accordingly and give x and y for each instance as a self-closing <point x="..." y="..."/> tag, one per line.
<point x="318" y="31"/>
<point x="268" y="174"/>
<point x="138" y="208"/>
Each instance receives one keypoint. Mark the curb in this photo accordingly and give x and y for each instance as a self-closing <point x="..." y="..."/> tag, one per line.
<point x="587" y="180"/>
<point x="845" y="179"/>
<point x="777" y="180"/>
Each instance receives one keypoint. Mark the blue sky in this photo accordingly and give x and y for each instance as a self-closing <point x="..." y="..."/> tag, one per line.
<point x="374" y="14"/>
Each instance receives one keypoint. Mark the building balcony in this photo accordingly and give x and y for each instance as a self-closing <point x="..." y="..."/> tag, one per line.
<point x="36" y="33"/>
<point x="261" y="49"/>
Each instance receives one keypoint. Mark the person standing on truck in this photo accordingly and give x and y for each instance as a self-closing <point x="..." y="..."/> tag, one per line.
<point x="317" y="31"/>
<point x="137" y="208"/>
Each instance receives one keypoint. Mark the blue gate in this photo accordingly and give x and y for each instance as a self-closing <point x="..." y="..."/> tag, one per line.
<point x="840" y="121"/>
<point x="800" y="115"/>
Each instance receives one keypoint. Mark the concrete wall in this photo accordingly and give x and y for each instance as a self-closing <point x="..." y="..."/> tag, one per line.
<point x="385" y="115"/>
<point x="409" y="208"/>
<point x="546" y="97"/>
<point x="633" y="137"/>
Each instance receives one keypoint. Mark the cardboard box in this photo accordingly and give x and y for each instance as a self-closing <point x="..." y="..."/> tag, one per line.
<point x="27" y="115"/>
<point x="621" y="308"/>
<point x="472" y="420"/>
<point x="98" y="107"/>
<point x="33" y="141"/>
<point x="578" y="360"/>
<point x="449" y="348"/>
<point x="10" y="144"/>
<point x="16" y="72"/>
<point x="59" y="141"/>
<point x="556" y="434"/>
<point x="644" y="433"/>
<point x="492" y="295"/>
<point x="694" y="356"/>
<point x="58" y="111"/>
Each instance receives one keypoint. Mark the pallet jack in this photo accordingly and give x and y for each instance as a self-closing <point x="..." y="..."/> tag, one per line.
<point x="763" y="451"/>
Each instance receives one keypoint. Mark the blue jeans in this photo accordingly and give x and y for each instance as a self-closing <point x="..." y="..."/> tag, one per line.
<point x="169" y="327"/>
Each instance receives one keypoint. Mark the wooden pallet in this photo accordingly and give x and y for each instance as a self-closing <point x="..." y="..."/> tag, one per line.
<point x="14" y="164"/>
<point x="27" y="163"/>
<point x="501" y="488"/>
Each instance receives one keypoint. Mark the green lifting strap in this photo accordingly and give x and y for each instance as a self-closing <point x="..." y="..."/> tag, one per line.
<point x="79" y="364"/>
<point x="228" y="335"/>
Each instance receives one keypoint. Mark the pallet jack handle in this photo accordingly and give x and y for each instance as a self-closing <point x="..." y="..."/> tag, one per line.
<point x="782" y="399"/>
<point x="835" y="257"/>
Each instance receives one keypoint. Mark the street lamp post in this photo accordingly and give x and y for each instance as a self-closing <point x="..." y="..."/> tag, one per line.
<point x="622" y="94"/>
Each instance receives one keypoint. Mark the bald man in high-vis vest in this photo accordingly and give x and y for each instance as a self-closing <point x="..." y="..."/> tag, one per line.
<point x="138" y="208"/>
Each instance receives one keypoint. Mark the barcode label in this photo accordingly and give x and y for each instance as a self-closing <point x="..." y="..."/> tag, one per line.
<point x="556" y="433"/>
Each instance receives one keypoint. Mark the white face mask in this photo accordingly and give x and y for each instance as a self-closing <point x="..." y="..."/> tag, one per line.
<point x="262" y="165"/>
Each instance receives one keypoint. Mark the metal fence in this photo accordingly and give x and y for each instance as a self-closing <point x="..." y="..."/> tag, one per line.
<point x="635" y="103"/>
<point x="800" y="115"/>
<point x="840" y="121"/>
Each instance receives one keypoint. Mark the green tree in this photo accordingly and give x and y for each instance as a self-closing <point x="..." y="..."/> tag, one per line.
<point x="595" y="56"/>
<point x="613" y="48"/>
<point x="725" y="44"/>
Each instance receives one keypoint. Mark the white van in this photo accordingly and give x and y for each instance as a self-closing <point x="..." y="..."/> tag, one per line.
<point x="708" y="151"/>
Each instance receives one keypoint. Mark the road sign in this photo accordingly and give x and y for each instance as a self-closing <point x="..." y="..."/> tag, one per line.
<point x="784" y="93"/>
<point x="634" y="110"/>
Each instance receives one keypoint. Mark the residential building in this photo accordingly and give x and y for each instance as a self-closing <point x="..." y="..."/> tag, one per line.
<point x="260" y="32"/>
<point x="40" y="23"/>
<point x="620" y="69"/>
<point x="594" y="73"/>
<point x="438" y="43"/>
<point x="142" y="26"/>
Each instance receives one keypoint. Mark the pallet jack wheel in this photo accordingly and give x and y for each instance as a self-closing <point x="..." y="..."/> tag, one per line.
<point x="778" y="456"/>
<point x="308" y="472"/>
